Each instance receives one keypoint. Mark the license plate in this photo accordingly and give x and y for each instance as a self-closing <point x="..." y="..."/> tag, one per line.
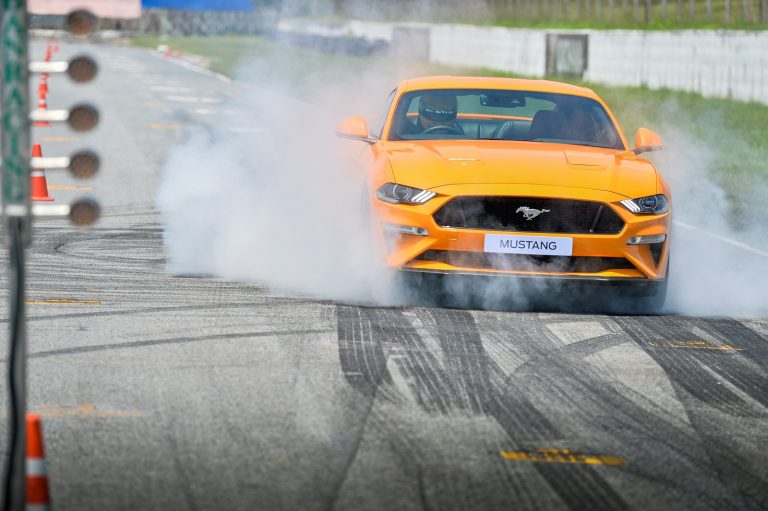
<point x="530" y="245"/>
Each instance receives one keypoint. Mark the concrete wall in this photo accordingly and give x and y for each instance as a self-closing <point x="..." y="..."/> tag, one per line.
<point x="727" y="64"/>
<point x="519" y="51"/>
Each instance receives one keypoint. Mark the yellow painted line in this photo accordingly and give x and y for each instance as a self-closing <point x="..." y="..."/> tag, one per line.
<point x="63" y="301"/>
<point x="70" y="187"/>
<point x="693" y="345"/>
<point x="156" y="126"/>
<point x="83" y="411"/>
<point x="562" y="456"/>
<point x="59" y="139"/>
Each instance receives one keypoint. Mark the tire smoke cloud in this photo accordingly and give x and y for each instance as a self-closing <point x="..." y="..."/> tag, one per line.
<point x="270" y="196"/>
<point x="718" y="261"/>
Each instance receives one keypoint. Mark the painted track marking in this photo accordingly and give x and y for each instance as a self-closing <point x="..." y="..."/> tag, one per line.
<point x="70" y="187"/>
<point x="693" y="345"/>
<point x="57" y="410"/>
<point x="732" y="242"/>
<point x="157" y="126"/>
<point x="565" y="456"/>
<point x="63" y="301"/>
<point x="59" y="139"/>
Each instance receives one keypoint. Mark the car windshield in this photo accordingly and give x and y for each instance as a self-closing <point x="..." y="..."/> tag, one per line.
<point x="491" y="114"/>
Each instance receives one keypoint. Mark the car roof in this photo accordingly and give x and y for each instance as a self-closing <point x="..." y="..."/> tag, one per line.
<point x="477" y="82"/>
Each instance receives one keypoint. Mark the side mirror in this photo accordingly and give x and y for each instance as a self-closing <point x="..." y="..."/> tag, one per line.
<point x="354" y="128"/>
<point x="647" y="140"/>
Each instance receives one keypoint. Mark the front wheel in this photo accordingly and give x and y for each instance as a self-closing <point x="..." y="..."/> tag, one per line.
<point x="653" y="298"/>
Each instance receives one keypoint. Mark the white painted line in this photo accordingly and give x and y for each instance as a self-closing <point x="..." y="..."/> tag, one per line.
<point x="737" y="244"/>
<point x="205" y="111"/>
<point x="247" y="130"/>
<point x="170" y="88"/>
<point x="192" y="99"/>
<point x="127" y="67"/>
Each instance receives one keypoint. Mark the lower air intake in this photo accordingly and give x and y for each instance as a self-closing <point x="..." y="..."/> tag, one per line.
<point x="517" y="262"/>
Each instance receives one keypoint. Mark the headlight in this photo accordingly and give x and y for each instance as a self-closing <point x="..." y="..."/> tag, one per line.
<point x="401" y="194"/>
<point x="651" y="205"/>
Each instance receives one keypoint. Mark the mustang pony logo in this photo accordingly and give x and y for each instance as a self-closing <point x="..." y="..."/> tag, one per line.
<point x="530" y="213"/>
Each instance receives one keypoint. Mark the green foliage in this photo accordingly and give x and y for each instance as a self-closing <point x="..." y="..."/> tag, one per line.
<point x="568" y="14"/>
<point x="642" y="15"/>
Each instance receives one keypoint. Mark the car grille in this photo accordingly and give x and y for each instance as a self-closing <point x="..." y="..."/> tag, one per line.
<point x="506" y="214"/>
<point x="518" y="262"/>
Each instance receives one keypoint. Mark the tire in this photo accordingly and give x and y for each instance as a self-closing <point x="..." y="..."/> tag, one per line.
<point x="652" y="301"/>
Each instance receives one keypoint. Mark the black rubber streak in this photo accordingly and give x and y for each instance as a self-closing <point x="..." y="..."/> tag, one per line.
<point x="75" y="350"/>
<point x="469" y="383"/>
<point x="696" y="374"/>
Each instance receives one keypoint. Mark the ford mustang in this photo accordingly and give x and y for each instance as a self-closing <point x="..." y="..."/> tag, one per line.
<point x="502" y="177"/>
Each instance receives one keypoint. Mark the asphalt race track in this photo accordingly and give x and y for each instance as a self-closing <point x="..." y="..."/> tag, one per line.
<point x="161" y="392"/>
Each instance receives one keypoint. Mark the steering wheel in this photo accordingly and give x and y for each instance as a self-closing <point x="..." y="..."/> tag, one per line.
<point x="447" y="130"/>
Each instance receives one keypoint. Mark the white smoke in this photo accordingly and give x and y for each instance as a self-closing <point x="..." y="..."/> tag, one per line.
<point x="718" y="261"/>
<point x="272" y="196"/>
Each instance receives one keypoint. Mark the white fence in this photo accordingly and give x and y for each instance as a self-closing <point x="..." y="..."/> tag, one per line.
<point x="727" y="64"/>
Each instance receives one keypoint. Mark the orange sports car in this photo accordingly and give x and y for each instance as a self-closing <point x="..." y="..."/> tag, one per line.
<point x="512" y="177"/>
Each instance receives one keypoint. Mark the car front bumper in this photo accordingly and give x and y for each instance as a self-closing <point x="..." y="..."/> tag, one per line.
<point x="442" y="250"/>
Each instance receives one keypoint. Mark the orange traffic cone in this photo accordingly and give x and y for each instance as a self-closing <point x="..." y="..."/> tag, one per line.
<point x="38" y="496"/>
<point x="42" y="104"/>
<point x="42" y="89"/>
<point x="39" y="190"/>
<point x="48" y="52"/>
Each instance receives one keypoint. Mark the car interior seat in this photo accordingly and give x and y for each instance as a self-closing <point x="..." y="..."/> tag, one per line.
<point x="545" y="124"/>
<point x="512" y="130"/>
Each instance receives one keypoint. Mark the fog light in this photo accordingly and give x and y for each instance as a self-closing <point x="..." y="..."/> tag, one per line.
<point x="405" y="229"/>
<point x="646" y="240"/>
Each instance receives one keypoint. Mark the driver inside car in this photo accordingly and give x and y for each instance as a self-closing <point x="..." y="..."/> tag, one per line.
<point x="437" y="114"/>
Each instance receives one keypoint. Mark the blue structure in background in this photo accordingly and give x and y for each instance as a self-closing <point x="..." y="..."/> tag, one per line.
<point x="199" y="5"/>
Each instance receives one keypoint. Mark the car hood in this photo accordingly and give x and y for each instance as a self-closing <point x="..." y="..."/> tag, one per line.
<point x="432" y="164"/>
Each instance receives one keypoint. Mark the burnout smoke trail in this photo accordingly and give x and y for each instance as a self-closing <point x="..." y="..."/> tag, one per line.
<point x="275" y="202"/>
<point x="716" y="268"/>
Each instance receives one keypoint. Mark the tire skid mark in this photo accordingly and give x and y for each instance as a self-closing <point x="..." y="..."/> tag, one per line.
<point x="435" y="393"/>
<point x="477" y="383"/>
<point x="460" y="340"/>
<point x="582" y="488"/>
<point x="362" y="357"/>
<point x="480" y="379"/>
<point x="577" y="350"/>
<point x="353" y="331"/>
<point x="689" y="371"/>
<point x="624" y="423"/>
<point x="471" y="384"/>
<point x="137" y="242"/>
<point x="429" y="383"/>
<point x="686" y="368"/>
<point x="468" y="365"/>
<point x="754" y="349"/>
